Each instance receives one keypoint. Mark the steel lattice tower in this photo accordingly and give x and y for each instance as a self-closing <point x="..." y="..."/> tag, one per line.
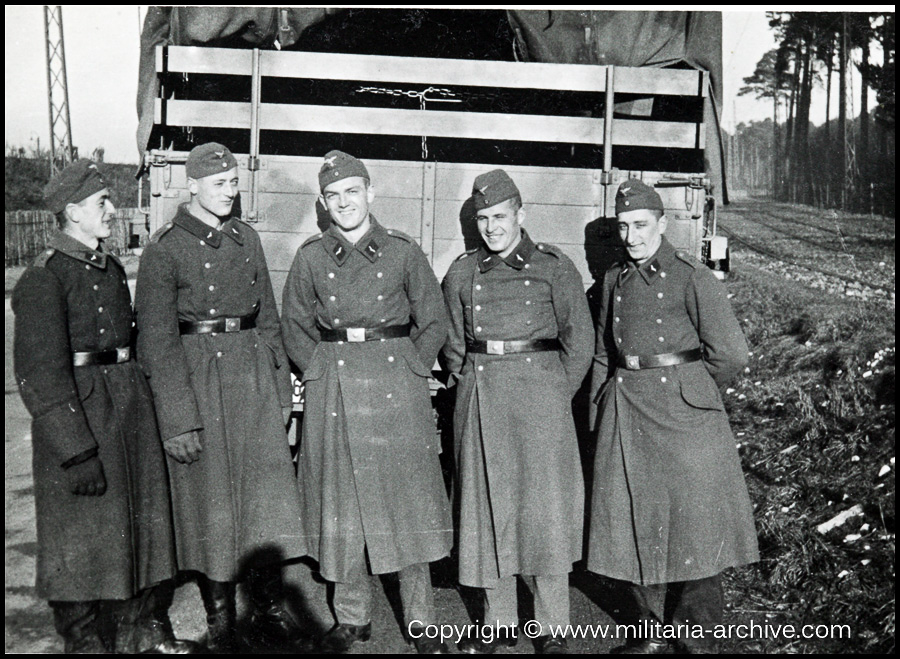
<point x="61" y="151"/>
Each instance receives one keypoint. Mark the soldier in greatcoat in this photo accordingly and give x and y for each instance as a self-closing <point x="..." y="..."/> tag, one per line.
<point x="520" y="344"/>
<point x="210" y="341"/>
<point x="363" y="319"/>
<point x="670" y="506"/>
<point x="102" y="503"/>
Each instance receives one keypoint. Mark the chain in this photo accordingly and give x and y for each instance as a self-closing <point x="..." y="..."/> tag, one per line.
<point x="444" y="96"/>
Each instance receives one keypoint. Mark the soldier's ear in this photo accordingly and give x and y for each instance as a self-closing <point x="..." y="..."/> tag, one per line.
<point x="663" y="223"/>
<point x="71" y="213"/>
<point x="520" y="216"/>
<point x="192" y="185"/>
<point x="370" y="193"/>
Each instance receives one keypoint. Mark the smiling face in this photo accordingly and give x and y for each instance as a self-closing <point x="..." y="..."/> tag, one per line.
<point x="348" y="202"/>
<point x="641" y="232"/>
<point x="500" y="226"/>
<point x="214" y="194"/>
<point x="90" y="220"/>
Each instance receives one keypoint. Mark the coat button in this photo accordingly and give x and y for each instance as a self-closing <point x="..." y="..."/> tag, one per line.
<point x="212" y="312"/>
<point x="337" y="321"/>
<point x="663" y="379"/>
<point x="87" y="267"/>
<point x="331" y="275"/>
<point x="383" y="320"/>
<point x="528" y="322"/>
<point x="380" y="298"/>
<point x="618" y="298"/>
<point x="477" y="329"/>
<point x="102" y="331"/>
<point x="202" y="243"/>
<point x="527" y="303"/>
<point x="219" y="354"/>
<point x="477" y="287"/>
<point x="616" y="319"/>
<point x="662" y="274"/>
<point x="659" y="295"/>
<point x="391" y="358"/>
<point x="390" y="395"/>
<point x="527" y="283"/>
<point x="96" y="287"/>
<point x="527" y="265"/>
<point x="659" y="321"/>
<point x="332" y="298"/>
<point x="477" y="307"/>
<point x="380" y="275"/>
<point x="618" y="379"/>
<point x="619" y="340"/>
<point x="528" y="359"/>
<point x="247" y="260"/>
<point x="661" y="339"/>
<point x="99" y="309"/>
<point x="253" y="283"/>
<point x="340" y="362"/>
<point x="207" y="266"/>
<point x="334" y="414"/>
<point x="481" y="368"/>
<point x="211" y="287"/>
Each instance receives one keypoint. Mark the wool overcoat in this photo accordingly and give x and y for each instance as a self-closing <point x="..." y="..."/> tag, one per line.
<point x="76" y="299"/>
<point x="669" y="498"/>
<point x="240" y="497"/>
<point x="369" y="469"/>
<point x="521" y="491"/>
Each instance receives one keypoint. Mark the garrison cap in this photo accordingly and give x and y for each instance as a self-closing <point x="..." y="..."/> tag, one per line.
<point x="493" y="188"/>
<point x="76" y="182"/>
<point x="208" y="159"/>
<point x="635" y="195"/>
<point x="339" y="165"/>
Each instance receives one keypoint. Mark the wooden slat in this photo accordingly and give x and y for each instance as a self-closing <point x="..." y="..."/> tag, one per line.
<point x="432" y="123"/>
<point x="432" y="71"/>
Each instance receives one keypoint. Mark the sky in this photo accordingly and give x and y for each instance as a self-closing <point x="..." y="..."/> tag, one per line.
<point x="102" y="51"/>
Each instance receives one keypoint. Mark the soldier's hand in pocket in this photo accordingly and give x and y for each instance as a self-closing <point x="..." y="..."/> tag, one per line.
<point x="185" y="448"/>
<point x="87" y="478"/>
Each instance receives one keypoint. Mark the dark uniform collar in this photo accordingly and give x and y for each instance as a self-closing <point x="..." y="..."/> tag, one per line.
<point x="517" y="259"/>
<point x="650" y="269"/>
<point x="369" y="245"/>
<point x="210" y="236"/>
<point x="63" y="242"/>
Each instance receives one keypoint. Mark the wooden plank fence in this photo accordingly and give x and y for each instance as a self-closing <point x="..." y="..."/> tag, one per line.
<point x="27" y="233"/>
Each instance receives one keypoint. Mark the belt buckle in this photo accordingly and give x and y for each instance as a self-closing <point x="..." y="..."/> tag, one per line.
<point x="632" y="362"/>
<point x="356" y="334"/>
<point x="495" y="348"/>
<point x="123" y="355"/>
<point x="232" y="324"/>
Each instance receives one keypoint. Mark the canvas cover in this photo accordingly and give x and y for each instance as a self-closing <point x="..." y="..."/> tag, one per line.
<point x="622" y="38"/>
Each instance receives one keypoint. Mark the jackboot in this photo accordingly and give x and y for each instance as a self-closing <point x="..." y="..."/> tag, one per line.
<point x="221" y="615"/>
<point x="143" y="625"/>
<point x="271" y="624"/>
<point x="76" y="622"/>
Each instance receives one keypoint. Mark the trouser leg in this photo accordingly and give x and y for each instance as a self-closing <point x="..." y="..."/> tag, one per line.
<point x="650" y="605"/>
<point x="76" y="622"/>
<point x="501" y="602"/>
<point x="551" y="600"/>
<point x="417" y="595"/>
<point x="353" y="598"/>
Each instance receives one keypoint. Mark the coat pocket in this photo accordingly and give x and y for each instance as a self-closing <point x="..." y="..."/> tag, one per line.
<point x="415" y="364"/>
<point x="315" y="369"/>
<point x="84" y="382"/>
<point x="701" y="392"/>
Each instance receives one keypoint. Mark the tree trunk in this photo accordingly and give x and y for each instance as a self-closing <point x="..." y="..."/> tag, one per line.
<point x="862" y="151"/>
<point x="842" y="113"/>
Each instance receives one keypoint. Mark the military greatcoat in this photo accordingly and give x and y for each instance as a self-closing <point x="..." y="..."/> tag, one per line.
<point x="76" y="299"/>
<point x="369" y="470"/>
<point x="520" y="481"/>
<point x="241" y="495"/>
<point x="669" y="499"/>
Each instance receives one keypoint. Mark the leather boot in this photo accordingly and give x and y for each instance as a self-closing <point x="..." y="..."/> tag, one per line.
<point x="221" y="615"/>
<point x="143" y="625"/>
<point x="76" y="622"/>
<point x="271" y="624"/>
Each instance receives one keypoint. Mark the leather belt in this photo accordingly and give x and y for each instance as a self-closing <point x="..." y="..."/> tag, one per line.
<point x="361" y="334"/>
<point x="101" y="357"/>
<point x="511" y="347"/>
<point x="640" y="362"/>
<point x="217" y="325"/>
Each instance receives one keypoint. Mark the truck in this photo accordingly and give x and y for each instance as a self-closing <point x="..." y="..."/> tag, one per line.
<point x="570" y="103"/>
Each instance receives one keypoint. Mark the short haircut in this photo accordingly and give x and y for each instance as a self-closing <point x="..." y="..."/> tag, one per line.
<point x="61" y="219"/>
<point x="516" y="202"/>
